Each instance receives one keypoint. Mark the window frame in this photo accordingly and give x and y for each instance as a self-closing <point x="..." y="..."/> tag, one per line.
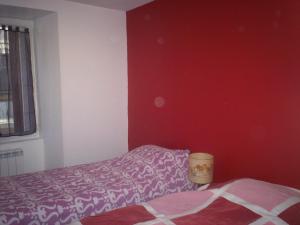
<point x="30" y="25"/>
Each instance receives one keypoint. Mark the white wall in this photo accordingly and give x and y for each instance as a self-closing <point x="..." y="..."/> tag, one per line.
<point x="90" y="106"/>
<point x="94" y="80"/>
<point x="49" y="89"/>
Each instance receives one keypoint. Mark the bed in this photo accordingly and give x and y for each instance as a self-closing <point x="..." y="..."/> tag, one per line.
<point x="240" y="202"/>
<point x="64" y="195"/>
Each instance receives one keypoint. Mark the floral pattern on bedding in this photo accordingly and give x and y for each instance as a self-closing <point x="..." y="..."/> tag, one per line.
<point x="64" y="195"/>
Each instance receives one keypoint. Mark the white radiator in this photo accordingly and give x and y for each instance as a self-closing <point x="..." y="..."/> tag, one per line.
<point x="11" y="162"/>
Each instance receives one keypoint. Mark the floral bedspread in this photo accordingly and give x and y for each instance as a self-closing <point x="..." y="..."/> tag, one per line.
<point x="64" y="195"/>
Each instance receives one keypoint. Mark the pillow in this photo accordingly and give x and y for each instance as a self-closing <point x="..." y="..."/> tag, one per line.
<point x="170" y="167"/>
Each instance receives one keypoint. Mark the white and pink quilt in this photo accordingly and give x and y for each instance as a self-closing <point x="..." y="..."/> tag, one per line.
<point x="240" y="202"/>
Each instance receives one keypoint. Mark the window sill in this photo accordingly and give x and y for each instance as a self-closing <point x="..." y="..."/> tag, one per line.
<point x="14" y="139"/>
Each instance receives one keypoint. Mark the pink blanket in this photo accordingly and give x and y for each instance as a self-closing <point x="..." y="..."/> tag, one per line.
<point x="244" y="201"/>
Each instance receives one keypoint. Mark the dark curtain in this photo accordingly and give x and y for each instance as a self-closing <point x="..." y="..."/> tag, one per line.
<point x="17" y="114"/>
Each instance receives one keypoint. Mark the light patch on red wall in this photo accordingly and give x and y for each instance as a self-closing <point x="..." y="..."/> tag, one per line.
<point x="159" y="102"/>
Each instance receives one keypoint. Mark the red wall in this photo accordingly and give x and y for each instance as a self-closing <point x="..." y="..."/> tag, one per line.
<point x="229" y="75"/>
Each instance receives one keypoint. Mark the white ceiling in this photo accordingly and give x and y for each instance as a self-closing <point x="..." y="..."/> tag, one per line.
<point x="124" y="5"/>
<point x="21" y="13"/>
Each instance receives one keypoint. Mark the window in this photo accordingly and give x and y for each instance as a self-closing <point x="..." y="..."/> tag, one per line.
<point x="17" y="113"/>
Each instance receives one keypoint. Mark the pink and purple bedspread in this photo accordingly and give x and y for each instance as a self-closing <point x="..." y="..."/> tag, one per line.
<point x="61" y="196"/>
<point x="241" y="202"/>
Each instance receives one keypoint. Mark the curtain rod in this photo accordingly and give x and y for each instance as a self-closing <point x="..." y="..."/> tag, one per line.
<point x="14" y="28"/>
